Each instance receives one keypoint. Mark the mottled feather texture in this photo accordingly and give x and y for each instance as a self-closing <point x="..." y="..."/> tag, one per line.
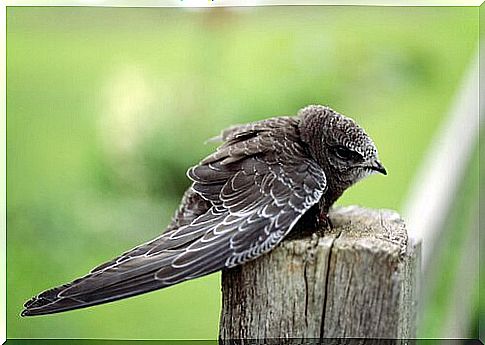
<point x="244" y="199"/>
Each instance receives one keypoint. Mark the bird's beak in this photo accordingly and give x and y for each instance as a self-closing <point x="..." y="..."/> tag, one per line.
<point x="377" y="166"/>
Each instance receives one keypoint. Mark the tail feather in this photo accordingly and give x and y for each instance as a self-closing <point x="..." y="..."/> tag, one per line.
<point x="131" y="275"/>
<point x="93" y="289"/>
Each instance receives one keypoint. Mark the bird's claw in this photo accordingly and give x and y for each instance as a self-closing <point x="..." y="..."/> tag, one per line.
<point x="324" y="222"/>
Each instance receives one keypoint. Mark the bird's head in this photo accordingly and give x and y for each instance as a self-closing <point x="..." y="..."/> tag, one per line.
<point x="343" y="149"/>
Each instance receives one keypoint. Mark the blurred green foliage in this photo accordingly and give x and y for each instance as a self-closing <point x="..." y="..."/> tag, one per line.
<point x="108" y="107"/>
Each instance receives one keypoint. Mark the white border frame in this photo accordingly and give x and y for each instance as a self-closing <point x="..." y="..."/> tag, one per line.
<point x="140" y="3"/>
<point x="240" y="3"/>
<point x="3" y="177"/>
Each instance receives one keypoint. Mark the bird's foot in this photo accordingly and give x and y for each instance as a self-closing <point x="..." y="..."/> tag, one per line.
<point x="324" y="223"/>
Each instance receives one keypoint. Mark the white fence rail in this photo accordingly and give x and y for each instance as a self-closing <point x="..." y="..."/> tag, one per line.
<point x="431" y="201"/>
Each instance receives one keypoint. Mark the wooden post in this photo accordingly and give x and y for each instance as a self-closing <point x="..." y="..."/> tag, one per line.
<point x="359" y="280"/>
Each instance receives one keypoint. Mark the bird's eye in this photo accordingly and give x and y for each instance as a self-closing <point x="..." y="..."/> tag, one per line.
<point x="344" y="153"/>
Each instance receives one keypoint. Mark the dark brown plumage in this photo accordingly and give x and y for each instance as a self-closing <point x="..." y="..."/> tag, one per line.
<point x="245" y="198"/>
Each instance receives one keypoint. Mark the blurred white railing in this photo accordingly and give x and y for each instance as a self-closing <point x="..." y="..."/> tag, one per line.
<point x="432" y="198"/>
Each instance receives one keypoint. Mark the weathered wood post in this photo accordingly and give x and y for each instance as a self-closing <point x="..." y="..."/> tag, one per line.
<point x="359" y="280"/>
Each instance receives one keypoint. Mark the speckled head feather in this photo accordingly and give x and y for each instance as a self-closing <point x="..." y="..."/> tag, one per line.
<point x="335" y="129"/>
<point x="244" y="199"/>
<point x="343" y="148"/>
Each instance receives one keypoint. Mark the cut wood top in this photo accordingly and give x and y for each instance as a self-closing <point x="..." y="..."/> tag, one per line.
<point x="358" y="279"/>
<point x="376" y="230"/>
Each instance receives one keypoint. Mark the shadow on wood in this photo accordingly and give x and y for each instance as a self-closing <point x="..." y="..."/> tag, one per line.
<point x="359" y="280"/>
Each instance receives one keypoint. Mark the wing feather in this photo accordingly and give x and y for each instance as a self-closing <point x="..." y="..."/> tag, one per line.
<point x="245" y="198"/>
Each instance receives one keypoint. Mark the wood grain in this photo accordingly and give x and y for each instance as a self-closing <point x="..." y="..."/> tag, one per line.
<point x="358" y="280"/>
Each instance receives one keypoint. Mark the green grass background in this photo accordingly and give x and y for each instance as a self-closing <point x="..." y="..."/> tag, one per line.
<point x="108" y="107"/>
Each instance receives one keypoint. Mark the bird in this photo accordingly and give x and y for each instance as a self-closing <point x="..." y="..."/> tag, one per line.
<point x="245" y="198"/>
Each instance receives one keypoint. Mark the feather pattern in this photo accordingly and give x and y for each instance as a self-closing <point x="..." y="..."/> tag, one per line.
<point x="245" y="198"/>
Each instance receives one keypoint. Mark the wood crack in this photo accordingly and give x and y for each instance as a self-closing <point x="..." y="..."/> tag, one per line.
<point x="305" y="279"/>
<point x="317" y="287"/>
<point x="327" y="279"/>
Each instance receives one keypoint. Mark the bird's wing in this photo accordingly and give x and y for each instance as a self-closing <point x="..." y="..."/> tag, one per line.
<point x="259" y="185"/>
<point x="191" y="206"/>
